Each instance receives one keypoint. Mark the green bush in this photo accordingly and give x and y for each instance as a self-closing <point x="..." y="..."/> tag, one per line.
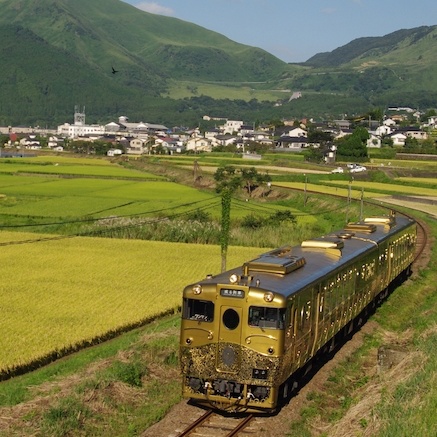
<point x="281" y="216"/>
<point x="199" y="216"/>
<point x="252" y="221"/>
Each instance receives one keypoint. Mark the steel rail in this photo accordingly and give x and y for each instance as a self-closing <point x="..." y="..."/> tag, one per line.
<point x="208" y="414"/>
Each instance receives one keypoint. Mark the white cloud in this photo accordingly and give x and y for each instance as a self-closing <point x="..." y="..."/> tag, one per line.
<point x="154" y="8"/>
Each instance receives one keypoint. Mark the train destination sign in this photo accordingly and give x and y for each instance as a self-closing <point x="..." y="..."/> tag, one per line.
<point x="230" y="292"/>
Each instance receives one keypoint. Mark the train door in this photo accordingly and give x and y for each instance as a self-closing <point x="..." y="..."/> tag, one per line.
<point x="290" y="334"/>
<point x="321" y="319"/>
<point x="229" y="339"/>
<point x="305" y="329"/>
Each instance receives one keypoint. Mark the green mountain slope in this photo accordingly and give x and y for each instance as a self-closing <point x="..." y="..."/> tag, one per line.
<point x="395" y="46"/>
<point x="56" y="54"/>
<point x="110" y="32"/>
<point x="397" y="69"/>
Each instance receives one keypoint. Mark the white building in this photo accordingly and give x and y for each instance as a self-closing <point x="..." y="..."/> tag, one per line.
<point x="79" y="128"/>
<point x="75" y="131"/>
<point x="232" y="126"/>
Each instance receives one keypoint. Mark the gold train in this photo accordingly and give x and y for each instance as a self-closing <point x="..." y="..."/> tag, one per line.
<point x="244" y="332"/>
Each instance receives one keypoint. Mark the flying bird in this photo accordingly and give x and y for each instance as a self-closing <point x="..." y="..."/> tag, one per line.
<point x="114" y="70"/>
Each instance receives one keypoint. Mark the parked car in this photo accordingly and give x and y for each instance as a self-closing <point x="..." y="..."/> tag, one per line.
<point x="358" y="169"/>
<point x="338" y="170"/>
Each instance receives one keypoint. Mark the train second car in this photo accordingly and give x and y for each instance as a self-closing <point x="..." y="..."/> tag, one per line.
<point x="245" y="331"/>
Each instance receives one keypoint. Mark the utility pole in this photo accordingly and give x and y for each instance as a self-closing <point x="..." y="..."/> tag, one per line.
<point x="196" y="171"/>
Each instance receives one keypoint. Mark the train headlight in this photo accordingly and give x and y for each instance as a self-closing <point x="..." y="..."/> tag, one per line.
<point x="260" y="374"/>
<point x="197" y="289"/>
<point x="189" y="340"/>
<point x="268" y="297"/>
<point x="233" y="279"/>
<point x="270" y="350"/>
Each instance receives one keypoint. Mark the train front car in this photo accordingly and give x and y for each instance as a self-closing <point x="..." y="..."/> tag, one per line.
<point x="232" y="339"/>
<point x="246" y="331"/>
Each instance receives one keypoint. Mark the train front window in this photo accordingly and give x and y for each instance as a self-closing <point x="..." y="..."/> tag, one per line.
<point x="267" y="317"/>
<point x="201" y="310"/>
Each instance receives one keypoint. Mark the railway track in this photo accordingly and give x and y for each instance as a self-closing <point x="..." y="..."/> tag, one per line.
<point x="212" y="424"/>
<point x="422" y="240"/>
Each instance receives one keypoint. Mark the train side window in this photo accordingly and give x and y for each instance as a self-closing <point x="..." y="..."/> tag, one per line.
<point x="267" y="317"/>
<point x="201" y="310"/>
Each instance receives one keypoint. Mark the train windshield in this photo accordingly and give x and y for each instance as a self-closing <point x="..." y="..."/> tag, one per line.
<point x="267" y="317"/>
<point x="202" y="310"/>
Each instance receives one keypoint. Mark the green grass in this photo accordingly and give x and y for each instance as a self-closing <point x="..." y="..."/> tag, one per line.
<point x="113" y="171"/>
<point x="61" y="159"/>
<point x="233" y="91"/>
<point x="78" y="197"/>
<point x="394" y="164"/>
<point x="120" y="387"/>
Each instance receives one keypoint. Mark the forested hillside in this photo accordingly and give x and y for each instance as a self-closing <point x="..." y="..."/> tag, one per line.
<point x="56" y="54"/>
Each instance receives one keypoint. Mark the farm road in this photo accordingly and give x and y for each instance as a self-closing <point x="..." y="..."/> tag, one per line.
<point x="419" y="203"/>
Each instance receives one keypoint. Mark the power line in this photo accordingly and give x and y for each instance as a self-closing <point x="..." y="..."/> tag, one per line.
<point x="94" y="219"/>
<point x="88" y="233"/>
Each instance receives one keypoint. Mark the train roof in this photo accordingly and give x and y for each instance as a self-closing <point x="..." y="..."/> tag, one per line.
<point x="289" y="269"/>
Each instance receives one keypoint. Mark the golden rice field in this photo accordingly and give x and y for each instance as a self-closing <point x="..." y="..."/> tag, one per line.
<point x="416" y="180"/>
<point x="369" y="189"/>
<point x="332" y="190"/>
<point x="389" y="188"/>
<point x="59" y="293"/>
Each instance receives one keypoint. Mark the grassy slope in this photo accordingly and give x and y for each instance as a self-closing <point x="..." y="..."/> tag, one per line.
<point x="104" y="32"/>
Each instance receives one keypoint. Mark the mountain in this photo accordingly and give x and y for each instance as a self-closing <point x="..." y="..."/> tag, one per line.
<point x="397" y="46"/>
<point x="398" y="69"/>
<point x="56" y="54"/>
<point x="65" y="50"/>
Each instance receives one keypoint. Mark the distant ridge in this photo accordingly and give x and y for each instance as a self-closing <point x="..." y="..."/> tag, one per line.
<point x="370" y="47"/>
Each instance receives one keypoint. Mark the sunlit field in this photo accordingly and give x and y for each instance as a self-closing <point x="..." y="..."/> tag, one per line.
<point x="428" y="181"/>
<point x="342" y="190"/>
<point x="49" y="197"/>
<point x="59" y="294"/>
<point x="67" y="168"/>
<point x="388" y="188"/>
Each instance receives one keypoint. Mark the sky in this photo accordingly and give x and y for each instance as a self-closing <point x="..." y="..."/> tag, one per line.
<point x="296" y="30"/>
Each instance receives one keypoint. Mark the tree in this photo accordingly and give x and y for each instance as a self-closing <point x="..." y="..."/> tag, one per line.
<point x="256" y="147"/>
<point x="320" y="137"/>
<point x="411" y="144"/>
<point x="251" y="179"/>
<point x="354" y="145"/>
<point x="228" y="181"/>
